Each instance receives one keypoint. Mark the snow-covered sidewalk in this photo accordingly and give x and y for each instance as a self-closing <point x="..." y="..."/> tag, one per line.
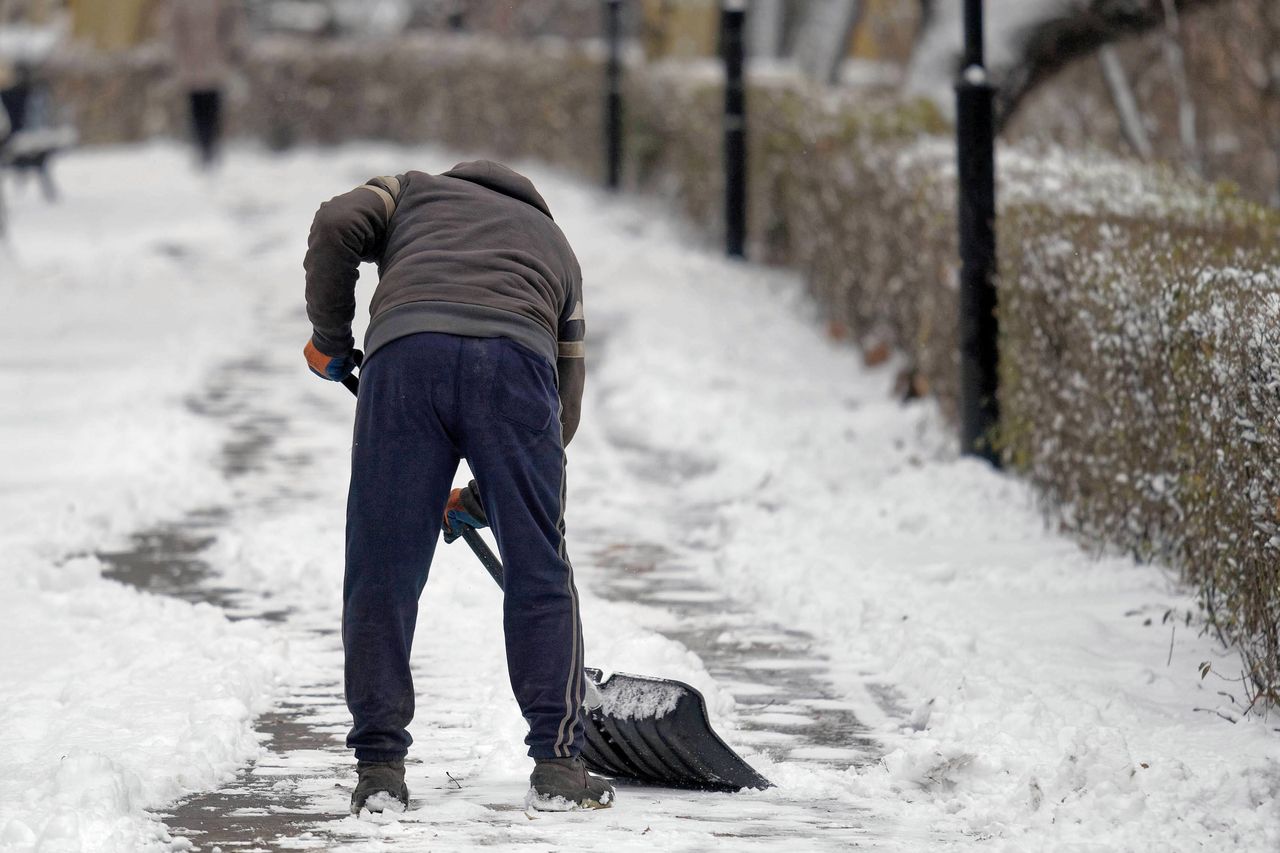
<point x="887" y="632"/>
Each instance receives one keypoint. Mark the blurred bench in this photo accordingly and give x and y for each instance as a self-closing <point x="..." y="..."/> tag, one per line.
<point x="32" y="137"/>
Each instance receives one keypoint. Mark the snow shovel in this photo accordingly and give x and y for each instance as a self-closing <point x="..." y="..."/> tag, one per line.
<point x="650" y="730"/>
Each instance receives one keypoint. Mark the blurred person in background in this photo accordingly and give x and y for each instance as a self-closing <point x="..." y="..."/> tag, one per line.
<point x="209" y="39"/>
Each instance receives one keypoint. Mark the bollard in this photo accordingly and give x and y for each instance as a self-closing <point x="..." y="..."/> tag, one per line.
<point x="733" y="15"/>
<point x="979" y="329"/>
<point x="456" y="19"/>
<point x="613" y="95"/>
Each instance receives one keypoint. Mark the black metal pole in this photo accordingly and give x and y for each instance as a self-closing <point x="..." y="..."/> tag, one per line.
<point x="974" y="40"/>
<point x="732" y="23"/>
<point x="456" y="19"/>
<point x="979" y="329"/>
<point x="613" y="95"/>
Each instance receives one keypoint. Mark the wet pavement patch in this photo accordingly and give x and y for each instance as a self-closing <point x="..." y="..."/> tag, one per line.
<point x="169" y="560"/>
<point x="787" y="707"/>
<point x="235" y="399"/>
<point x="166" y="560"/>
<point x="266" y="803"/>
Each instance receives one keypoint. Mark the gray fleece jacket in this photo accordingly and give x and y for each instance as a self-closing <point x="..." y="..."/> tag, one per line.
<point x="471" y="252"/>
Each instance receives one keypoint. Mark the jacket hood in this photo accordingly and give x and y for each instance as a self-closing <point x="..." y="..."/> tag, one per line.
<point x="500" y="179"/>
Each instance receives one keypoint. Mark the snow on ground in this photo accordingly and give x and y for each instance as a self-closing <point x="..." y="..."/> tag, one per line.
<point x="113" y="701"/>
<point x="1020" y="694"/>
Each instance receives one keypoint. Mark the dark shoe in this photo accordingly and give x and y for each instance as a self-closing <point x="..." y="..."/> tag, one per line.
<point x="563" y="784"/>
<point x="381" y="787"/>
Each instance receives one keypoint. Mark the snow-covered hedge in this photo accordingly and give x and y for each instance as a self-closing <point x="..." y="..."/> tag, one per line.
<point x="1140" y="314"/>
<point x="1141" y="310"/>
<point x="1141" y="382"/>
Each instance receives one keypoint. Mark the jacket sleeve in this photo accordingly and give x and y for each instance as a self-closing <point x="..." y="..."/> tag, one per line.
<point x="347" y="230"/>
<point x="571" y="363"/>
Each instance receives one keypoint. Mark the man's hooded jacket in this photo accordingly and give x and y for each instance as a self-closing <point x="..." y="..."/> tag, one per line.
<point x="471" y="252"/>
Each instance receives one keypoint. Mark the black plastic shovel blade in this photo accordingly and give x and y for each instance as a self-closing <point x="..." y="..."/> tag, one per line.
<point x="650" y="730"/>
<point x="656" y="731"/>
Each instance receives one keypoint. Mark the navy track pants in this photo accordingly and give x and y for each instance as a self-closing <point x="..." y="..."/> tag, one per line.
<point x="427" y="401"/>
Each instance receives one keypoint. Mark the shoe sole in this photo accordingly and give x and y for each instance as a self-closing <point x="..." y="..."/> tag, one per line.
<point x="540" y="803"/>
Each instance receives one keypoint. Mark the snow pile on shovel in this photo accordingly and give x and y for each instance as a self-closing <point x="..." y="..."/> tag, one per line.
<point x="633" y="699"/>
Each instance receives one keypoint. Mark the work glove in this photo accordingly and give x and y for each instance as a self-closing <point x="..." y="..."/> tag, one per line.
<point x="463" y="510"/>
<point x="335" y="368"/>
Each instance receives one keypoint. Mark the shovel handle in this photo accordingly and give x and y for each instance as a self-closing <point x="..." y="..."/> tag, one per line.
<point x="487" y="558"/>
<point x="483" y="553"/>
<point x="351" y="381"/>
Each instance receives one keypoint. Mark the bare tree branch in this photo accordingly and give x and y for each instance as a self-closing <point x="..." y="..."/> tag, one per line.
<point x="822" y="41"/>
<point x="1270" y="89"/>
<point x="1075" y="30"/>
<point x="1175" y="58"/>
<point x="1131" y="125"/>
<point x="766" y="25"/>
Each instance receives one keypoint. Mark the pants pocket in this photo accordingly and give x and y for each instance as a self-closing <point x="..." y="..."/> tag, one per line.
<point x="524" y="389"/>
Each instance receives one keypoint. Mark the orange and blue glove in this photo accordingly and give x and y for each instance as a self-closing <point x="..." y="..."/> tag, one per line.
<point x="335" y="368"/>
<point x="463" y="510"/>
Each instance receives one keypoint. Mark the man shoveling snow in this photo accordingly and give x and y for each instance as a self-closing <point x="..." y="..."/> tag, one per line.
<point x="474" y="350"/>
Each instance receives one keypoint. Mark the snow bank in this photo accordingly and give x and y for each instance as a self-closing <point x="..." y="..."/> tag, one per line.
<point x="114" y="701"/>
